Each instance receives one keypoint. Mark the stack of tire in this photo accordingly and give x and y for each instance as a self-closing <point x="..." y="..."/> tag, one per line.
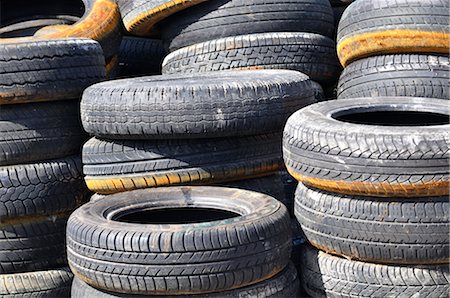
<point x="394" y="48"/>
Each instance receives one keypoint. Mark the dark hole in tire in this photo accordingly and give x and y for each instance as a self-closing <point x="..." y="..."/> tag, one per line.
<point x="393" y="118"/>
<point x="174" y="215"/>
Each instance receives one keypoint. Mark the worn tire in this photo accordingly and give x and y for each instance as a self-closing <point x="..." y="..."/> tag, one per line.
<point x="214" y="255"/>
<point x="226" y="18"/>
<point x="54" y="69"/>
<point x="55" y="283"/>
<point x="324" y="275"/>
<point x="204" y="105"/>
<point x="114" y="166"/>
<point x="369" y="28"/>
<point x="311" y="54"/>
<point x="29" y="132"/>
<point x="30" y="26"/>
<point x="397" y="75"/>
<point x="402" y="231"/>
<point x="377" y="147"/>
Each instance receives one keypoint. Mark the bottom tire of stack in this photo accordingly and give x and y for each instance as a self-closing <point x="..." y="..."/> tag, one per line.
<point x="114" y="166"/>
<point x="50" y="283"/>
<point x="325" y="275"/>
<point x="35" y="202"/>
<point x="179" y="240"/>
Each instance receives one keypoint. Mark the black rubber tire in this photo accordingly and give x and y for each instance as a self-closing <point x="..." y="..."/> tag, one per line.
<point x="30" y="26"/>
<point x="140" y="56"/>
<point x="215" y="104"/>
<point x="113" y="166"/>
<point x="383" y="157"/>
<point x="54" y="69"/>
<point x="311" y="54"/>
<point x="340" y="2"/>
<point x="378" y="230"/>
<point x="55" y="283"/>
<point x="283" y="285"/>
<point x="324" y="275"/>
<point x="214" y="255"/>
<point x="397" y="75"/>
<point x="30" y="132"/>
<point x="225" y="18"/>
<point x="319" y="93"/>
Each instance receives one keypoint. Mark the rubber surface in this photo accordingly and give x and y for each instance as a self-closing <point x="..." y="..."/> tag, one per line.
<point x="325" y="275"/>
<point x="377" y="27"/>
<point x="51" y="283"/>
<point x="114" y="166"/>
<point x="30" y="26"/>
<point x="179" y="259"/>
<point x="362" y="159"/>
<point x="312" y="54"/>
<point x="402" y="231"/>
<point x="397" y="75"/>
<point x="195" y="106"/>
<point x="54" y="70"/>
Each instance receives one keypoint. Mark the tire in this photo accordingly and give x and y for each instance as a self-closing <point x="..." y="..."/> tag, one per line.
<point x="283" y="285"/>
<point x="324" y="275"/>
<point x="134" y="56"/>
<point x="319" y="93"/>
<point x="402" y="231"/>
<point x="141" y="16"/>
<point x="28" y="131"/>
<point x="341" y="2"/>
<point x="204" y="105"/>
<point x="29" y="27"/>
<point x="311" y="54"/>
<point x="383" y="147"/>
<point x="369" y="28"/>
<point x="397" y="75"/>
<point x="221" y="254"/>
<point x="114" y="166"/>
<point x="41" y="284"/>
<point x="54" y="69"/>
<point x="227" y="18"/>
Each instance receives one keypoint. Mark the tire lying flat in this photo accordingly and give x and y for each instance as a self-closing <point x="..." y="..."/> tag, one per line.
<point x="388" y="147"/>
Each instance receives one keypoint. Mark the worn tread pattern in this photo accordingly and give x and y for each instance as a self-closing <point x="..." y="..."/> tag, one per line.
<point x="396" y="75"/>
<point x="311" y="54"/>
<point x="391" y="230"/>
<point x="113" y="166"/>
<point x="324" y="275"/>
<point x="368" y="159"/>
<point x="55" y="283"/>
<point x="48" y="70"/>
<point x="225" y="18"/>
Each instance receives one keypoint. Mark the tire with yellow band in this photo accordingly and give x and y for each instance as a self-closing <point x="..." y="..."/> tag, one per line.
<point x="369" y="28"/>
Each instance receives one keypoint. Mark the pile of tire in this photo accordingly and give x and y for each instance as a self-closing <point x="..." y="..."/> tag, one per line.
<point x="41" y="181"/>
<point x="394" y="48"/>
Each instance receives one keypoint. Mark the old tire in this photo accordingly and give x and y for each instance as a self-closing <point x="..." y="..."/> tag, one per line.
<point x="396" y="75"/>
<point x="377" y="27"/>
<point x="204" y="105"/>
<point x="311" y="54"/>
<point x="54" y="69"/>
<point x="388" y="147"/>
<point x="114" y="166"/>
<point x="29" y="26"/>
<point x="377" y="230"/>
<point x="225" y="18"/>
<point x="173" y="259"/>
<point x="324" y="275"/>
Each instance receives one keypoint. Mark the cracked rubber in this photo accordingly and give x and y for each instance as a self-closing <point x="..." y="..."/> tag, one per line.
<point x="311" y="54"/>
<point x="324" y="275"/>
<point x="374" y="160"/>
<point x="30" y="132"/>
<point x="397" y="75"/>
<point x="377" y="27"/>
<point x="48" y="70"/>
<point x="114" y="166"/>
<point x="216" y="104"/>
<point x="378" y="230"/>
<point x="54" y="283"/>
<point x="179" y="259"/>
<point x="225" y="18"/>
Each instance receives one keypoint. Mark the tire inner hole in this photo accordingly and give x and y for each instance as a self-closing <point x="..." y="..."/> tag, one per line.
<point x="174" y="215"/>
<point x="393" y="118"/>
